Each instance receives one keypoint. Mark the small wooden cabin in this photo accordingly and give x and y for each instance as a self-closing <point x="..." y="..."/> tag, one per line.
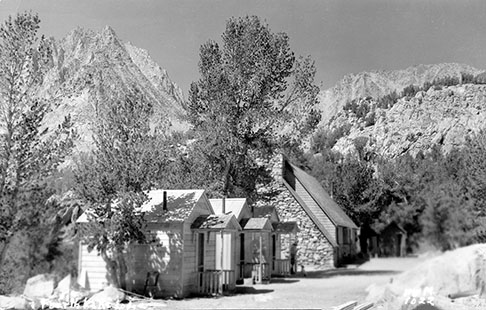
<point x="392" y="241"/>
<point x="225" y="227"/>
<point x="257" y="243"/>
<point x="280" y="259"/>
<point x="181" y="259"/>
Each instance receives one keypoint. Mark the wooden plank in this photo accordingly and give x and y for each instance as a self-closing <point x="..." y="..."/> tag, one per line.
<point x="347" y="306"/>
<point x="364" y="306"/>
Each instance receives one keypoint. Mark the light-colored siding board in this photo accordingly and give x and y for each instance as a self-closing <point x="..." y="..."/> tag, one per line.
<point x="314" y="207"/>
<point x="94" y="268"/>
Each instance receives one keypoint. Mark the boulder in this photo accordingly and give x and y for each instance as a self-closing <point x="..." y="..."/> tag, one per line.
<point x="40" y="286"/>
<point x="70" y="292"/>
<point x="108" y="296"/>
<point x="14" y="303"/>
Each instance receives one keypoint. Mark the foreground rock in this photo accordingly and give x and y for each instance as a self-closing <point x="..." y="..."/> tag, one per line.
<point x="106" y="298"/>
<point x="18" y="303"/>
<point x="40" y="286"/>
<point x="460" y="271"/>
<point x="69" y="292"/>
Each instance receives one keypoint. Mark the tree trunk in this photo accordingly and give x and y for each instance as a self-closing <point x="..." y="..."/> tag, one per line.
<point x="122" y="270"/>
<point x="3" y="253"/>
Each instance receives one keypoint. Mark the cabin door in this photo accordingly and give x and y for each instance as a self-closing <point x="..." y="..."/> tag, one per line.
<point x="242" y="256"/>
<point x="200" y="252"/>
<point x="274" y="250"/>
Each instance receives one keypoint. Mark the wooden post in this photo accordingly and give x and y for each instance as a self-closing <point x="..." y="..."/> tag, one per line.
<point x="222" y="259"/>
<point x="260" y="269"/>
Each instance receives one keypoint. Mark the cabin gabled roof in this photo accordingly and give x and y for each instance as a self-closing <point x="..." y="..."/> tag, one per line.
<point x="216" y="222"/>
<point x="320" y="196"/>
<point x="234" y="205"/>
<point x="180" y="204"/>
<point x="256" y="224"/>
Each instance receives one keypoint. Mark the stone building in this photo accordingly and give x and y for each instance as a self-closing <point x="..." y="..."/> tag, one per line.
<point x="326" y="236"/>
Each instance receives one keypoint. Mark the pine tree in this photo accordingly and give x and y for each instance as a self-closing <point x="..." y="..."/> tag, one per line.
<point x="29" y="152"/>
<point x="246" y="101"/>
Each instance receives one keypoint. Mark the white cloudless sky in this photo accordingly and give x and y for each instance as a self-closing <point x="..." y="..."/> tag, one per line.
<point x="342" y="36"/>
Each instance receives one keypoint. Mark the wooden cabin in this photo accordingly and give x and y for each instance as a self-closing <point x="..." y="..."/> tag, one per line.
<point x="182" y="258"/>
<point x="392" y="241"/>
<point x="257" y="248"/>
<point x="280" y="262"/>
<point x="225" y="227"/>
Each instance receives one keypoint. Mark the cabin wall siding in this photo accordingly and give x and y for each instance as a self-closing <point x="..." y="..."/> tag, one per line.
<point x="164" y="257"/>
<point x="92" y="269"/>
<point x="189" y="271"/>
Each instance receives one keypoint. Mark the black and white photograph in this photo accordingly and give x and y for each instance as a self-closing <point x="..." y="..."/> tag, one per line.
<point x="228" y="154"/>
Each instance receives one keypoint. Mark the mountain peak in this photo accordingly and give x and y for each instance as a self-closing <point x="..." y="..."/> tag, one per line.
<point x="94" y="63"/>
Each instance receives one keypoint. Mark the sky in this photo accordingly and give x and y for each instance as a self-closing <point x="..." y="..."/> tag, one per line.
<point x="342" y="36"/>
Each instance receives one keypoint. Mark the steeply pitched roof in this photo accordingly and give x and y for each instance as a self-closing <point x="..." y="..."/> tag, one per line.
<point x="216" y="222"/>
<point x="180" y="204"/>
<point x="258" y="224"/>
<point x="234" y="205"/>
<point x="322" y="198"/>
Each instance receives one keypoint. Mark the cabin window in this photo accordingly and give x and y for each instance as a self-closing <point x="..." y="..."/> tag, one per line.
<point x="345" y="235"/>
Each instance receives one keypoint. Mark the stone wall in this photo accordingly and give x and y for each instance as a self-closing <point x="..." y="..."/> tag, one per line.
<point x="313" y="248"/>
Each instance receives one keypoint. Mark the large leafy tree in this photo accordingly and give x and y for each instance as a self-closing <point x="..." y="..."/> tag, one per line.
<point x="128" y="159"/>
<point x="253" y="96"/>
<point x="29" y="151"/>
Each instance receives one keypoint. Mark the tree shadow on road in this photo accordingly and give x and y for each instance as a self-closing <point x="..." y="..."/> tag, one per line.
<point x="284" y="280"/>
<point x="251" y="290"/>
<point x="345" y="272"/>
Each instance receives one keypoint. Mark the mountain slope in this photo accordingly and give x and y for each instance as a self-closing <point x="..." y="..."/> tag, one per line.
<point x="443" y="116"/>
<point x="377" y="84"/>
<point x="88" y="65"/>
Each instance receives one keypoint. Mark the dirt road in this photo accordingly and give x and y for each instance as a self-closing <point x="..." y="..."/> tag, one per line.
<point x="318" y="290"/>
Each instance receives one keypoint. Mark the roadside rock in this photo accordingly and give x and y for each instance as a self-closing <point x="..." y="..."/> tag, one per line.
<point x="69" y="293"/>
<point x="15" y="303"/>
<point x="40" y="286"/>
<point x="461" y="270"/>
<point x="108" y="296"/>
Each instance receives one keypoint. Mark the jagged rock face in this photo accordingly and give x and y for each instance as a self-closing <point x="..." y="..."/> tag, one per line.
<point x="87" y="65"/>
<point x="444" y="117"/>
<point x="377" y="84"/>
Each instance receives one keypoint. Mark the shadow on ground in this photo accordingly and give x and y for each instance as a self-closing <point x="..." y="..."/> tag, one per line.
<point x="251" y="290"/>
<point x="284" y="280"/>
<point x="344" y="272"/>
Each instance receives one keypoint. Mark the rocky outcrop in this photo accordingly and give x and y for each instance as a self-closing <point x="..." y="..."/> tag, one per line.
<point x="313" y="247"/>
<point x="444" y="117"/>
<point x="377" y="84"/>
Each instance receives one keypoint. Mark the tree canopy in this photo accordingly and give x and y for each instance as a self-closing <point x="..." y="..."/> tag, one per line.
<point x="253" y="96"/>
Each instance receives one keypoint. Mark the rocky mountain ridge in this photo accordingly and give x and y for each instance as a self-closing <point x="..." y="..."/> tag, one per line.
<point x="443" y="116"/>
<point x="377" y="84"/>
<point x="88" y="65"/>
